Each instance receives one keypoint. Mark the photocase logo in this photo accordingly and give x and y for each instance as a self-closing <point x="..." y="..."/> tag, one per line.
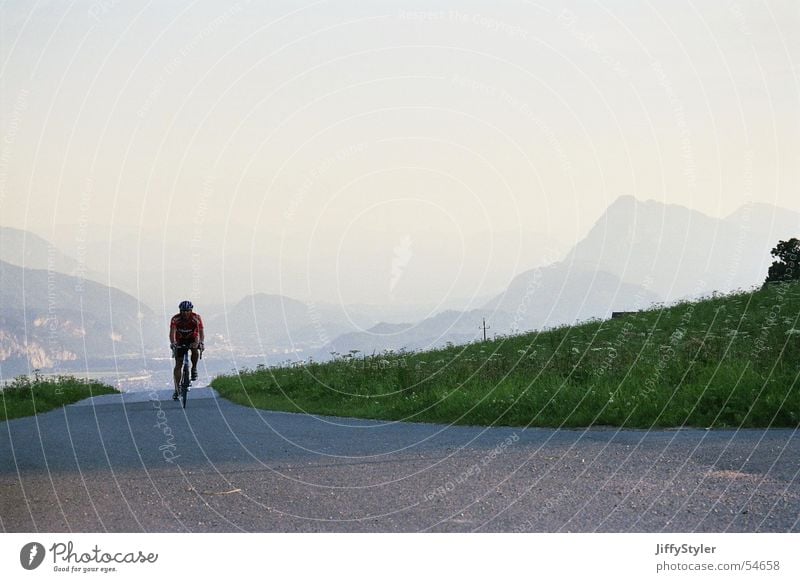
<point x="32" y="555"/>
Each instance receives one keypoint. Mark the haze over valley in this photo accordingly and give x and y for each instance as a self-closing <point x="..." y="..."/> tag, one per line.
<point x="61" y="315"/>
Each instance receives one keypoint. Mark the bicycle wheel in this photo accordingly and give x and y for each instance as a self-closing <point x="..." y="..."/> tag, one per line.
<point x="185" y="381"/>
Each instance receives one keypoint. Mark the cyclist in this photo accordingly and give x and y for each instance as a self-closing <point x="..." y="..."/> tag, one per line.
<point x="185" y="333"/>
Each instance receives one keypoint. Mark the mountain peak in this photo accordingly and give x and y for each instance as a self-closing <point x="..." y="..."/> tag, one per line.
<point x="624" y="202"/>
<point x="627" y="203"/>
<point x="26" y="249"/>
<point x="625" y="199"/>
<point x="681" y="252"/>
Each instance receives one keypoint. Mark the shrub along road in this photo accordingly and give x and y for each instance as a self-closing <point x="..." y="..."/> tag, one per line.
<point x="142" y="464"/>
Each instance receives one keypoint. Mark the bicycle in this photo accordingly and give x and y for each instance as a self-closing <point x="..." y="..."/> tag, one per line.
<point x="186" y="378"/>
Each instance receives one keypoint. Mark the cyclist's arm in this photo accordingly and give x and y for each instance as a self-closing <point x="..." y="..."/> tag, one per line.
<point x="173" y="333"/>
<point x="200" y="330"/>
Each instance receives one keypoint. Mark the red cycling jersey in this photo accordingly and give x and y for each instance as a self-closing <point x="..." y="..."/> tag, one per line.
<point x="186" y="329"/>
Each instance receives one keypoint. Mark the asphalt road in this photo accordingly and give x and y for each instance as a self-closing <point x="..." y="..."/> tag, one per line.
<point x="143" y="464"/>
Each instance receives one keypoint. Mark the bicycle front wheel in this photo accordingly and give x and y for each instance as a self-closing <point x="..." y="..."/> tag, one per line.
<point x="185" y="381"/>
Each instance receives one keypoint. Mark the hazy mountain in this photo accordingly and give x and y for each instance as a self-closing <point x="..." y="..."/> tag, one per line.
<point x="49" y="320"/>
<point x="576" y="289"/>
<point x="148" y="265"/>
<point x="563" y="294"/>
<point x="25" y="249"/>
<point x="536" y="299"/>
<point x="403" y="313"/>
<point x="765" y="218"/>
<point x="277" y="323"/>
<point x="636" y="254"/>
<point x="677" y="252"/>
<point x="158" y="269"/>
<point x="457" y="327"/>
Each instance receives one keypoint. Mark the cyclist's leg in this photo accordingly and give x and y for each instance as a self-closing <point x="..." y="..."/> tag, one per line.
<point x="176" y="372"/>
<point x="176" y="375"/>
<point x="195" y="357"/>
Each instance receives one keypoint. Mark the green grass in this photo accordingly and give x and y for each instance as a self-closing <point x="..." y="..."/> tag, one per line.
<point x="26" y="396"/>
<point x="725" y="361"/>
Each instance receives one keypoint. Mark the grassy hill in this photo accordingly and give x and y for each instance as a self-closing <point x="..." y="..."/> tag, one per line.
<point x="26" y="396"/>
<point x="725" y="361"/>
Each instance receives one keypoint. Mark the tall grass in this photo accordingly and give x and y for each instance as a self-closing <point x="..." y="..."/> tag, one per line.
<point x="26" y="396"/>
<point x="724" y="361"/>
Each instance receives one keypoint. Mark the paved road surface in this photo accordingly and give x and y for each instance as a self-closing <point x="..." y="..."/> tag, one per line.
<point x="142" y="464"/>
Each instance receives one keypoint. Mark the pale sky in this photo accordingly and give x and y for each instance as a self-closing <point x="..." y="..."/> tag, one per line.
<point x="341" y="125"/>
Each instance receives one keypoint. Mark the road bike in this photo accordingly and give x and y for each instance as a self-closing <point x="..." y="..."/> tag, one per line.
<point x="186" y="377"/>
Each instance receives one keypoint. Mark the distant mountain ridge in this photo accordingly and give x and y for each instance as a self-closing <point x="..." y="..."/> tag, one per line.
<point x="680" y="253"/>
<point x="449" y="326"/>
<point x="563" y="293"/>
<point x="638" y="253"/>
<point x="536" y="299"/>
<point x="50" y="320"/>
<point x="283" y="324"/>
<point x="25" y="249"/>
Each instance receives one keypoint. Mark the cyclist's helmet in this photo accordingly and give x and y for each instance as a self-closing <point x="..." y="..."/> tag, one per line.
<point x="186" y="306"/>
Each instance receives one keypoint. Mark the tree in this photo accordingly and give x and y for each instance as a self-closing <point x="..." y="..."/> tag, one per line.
<point x="786" y="268"/>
